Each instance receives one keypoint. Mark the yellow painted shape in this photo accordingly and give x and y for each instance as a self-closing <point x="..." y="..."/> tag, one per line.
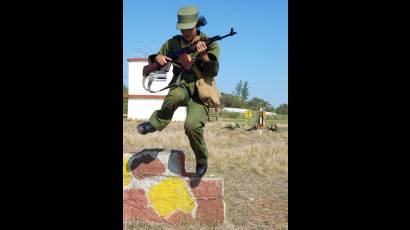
<point x="126" y="174"/>
<point x="171" y="195"/>
<point x="248" y="114"/>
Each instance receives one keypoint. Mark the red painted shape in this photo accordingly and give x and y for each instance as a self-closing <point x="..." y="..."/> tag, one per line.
<point x="207" y="188"/>
<point x="135" y="206"/>
<point x="147" y="166"/>
<point x="180" y="218"/>
<point x="210" y="210"/>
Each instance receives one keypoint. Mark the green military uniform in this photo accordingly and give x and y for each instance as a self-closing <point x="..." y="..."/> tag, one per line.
<point x="186" y="95"/>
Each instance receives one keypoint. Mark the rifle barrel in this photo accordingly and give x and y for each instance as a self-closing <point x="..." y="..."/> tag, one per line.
<point x="188" y="49"/>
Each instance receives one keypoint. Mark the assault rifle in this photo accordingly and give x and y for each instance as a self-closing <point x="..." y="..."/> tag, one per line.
<point x="154" y="66"/>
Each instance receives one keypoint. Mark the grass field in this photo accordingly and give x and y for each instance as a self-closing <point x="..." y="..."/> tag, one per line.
<point x="254" y="168"/>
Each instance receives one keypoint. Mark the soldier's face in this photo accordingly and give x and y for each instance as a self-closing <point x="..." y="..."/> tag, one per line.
<point x="188" y="34"/>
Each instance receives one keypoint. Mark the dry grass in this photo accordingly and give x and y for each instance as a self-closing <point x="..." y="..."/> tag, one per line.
<point x="254" y="168"/>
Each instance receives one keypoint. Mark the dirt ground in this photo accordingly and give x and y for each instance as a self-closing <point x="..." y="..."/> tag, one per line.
<point x="254" y="167"/>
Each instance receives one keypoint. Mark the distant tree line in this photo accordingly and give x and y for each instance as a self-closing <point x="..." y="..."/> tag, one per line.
<point x="239" y="99"/>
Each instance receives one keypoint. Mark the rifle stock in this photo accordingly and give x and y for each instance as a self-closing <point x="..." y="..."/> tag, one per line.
<point x="149" y="68"/>
<point x="155" y="66"/>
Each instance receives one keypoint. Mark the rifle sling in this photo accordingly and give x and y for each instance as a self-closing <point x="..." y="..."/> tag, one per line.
<point x="177" y="82"/>
<point x="151" y="79"/>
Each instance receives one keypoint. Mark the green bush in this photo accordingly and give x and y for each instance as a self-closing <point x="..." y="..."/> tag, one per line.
<point x="226" y="114"/>
<point x="277" y="117"/>
<point x="229" y="100"/>
<point x="125" y="105"/>
<point x="282" y="109"/>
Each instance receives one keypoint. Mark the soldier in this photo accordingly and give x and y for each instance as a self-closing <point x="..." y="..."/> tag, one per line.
<point x="274" y="128"/>
<point x="186" y="94"/>
<point x="232" y="127"/>
<point x="255" y="127"/>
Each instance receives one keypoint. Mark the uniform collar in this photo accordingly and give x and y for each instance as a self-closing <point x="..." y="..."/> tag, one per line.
<point x="186" y="43"/>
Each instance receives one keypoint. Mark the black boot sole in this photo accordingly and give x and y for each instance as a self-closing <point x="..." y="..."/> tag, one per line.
<point x="141" y="130"/>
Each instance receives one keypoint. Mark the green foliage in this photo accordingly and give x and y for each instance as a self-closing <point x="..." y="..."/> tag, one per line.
<point x="257" y="103"/>
<point x="229" y="100"/>
<point x="239" y="99"/>
<point x="242" y="90"/>
<point x="226" y="114"/>
<point x="124" y="100"/>
<point x="282" y="109"/>
<point x="125" y="105"/>
<point x="245" y="91"/>
<point x="280" y="117"/>
<point x="238" y="89"/>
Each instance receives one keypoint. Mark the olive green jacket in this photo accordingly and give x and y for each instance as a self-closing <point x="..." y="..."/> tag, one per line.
<point x="208" y="68"/>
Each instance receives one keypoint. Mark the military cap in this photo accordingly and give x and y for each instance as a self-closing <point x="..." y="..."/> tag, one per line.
<point x="187" y="17"/>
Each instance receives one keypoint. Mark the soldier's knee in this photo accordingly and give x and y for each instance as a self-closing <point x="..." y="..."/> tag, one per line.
<point x="191" y="125"/>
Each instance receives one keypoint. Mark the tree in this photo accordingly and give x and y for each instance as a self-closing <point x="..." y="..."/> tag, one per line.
<point x="282" y="109"/>
<point x="124" y="89"/>
<point x="229" y="100"/>
<point x="245" y="91"/>
<point x="238" y="89"/>
<point x="242" y="90"/>
<point x="257" y="103"/>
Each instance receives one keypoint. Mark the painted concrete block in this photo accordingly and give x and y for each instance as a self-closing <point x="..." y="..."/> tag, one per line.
<point x="157" y="188"/>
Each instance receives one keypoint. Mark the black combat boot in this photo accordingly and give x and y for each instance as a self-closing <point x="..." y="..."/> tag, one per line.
<point x="201" y="169"/>
<point x="145" y="128"/>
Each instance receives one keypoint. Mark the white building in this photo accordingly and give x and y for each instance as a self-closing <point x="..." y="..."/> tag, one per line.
<point x="142" y="103"/>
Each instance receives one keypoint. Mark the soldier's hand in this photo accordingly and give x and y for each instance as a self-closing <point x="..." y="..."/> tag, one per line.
<point x="162" y="59"/>
<point x="201" y="47"/>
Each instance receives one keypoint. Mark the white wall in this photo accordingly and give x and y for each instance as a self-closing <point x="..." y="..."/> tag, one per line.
<point x="142" y="108"/>
<point x="135" y="80"/>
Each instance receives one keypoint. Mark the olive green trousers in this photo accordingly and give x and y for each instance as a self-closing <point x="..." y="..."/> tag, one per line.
<point x="197" y="116"/>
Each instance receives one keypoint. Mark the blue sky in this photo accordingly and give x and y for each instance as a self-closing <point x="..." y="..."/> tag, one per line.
<point x="257" y="54"/>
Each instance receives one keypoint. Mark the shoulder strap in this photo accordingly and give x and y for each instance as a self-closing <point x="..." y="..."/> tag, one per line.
<point x="151" y="78"/>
